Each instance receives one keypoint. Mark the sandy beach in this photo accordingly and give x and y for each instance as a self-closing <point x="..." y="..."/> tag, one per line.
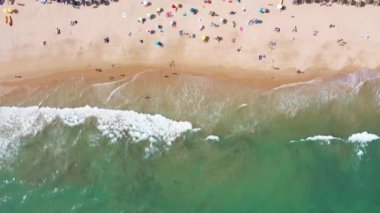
<point x="301" y="40"/>
<point x="206" y="106"/>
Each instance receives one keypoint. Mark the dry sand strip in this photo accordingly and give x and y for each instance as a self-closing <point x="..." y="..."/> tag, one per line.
<point x="244" y="38"/>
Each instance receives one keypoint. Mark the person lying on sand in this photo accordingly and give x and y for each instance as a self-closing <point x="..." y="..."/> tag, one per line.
<point x="219" y="38"/>
<point x="106" y="40"/>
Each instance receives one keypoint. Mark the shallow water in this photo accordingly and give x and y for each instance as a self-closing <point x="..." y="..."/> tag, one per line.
<point x="307" y="147"/>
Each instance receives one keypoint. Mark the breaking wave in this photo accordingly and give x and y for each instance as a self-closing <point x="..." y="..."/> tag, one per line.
<point x="321" y="138"/>
<point x="359" y="140"/>
<point x="18" y="122"/>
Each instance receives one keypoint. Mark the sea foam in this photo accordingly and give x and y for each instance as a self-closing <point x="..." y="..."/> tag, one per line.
<point x="18" y="122"/>
<point x="363" y="137"/>
<point x="359" y="140"/>
<point x="321" y="138"/>
<point x="212" y="138"/>
<point x="324" y="138"/>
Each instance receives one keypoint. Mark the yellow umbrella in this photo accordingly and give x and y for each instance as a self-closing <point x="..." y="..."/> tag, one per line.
<point x="204" y="37"/>
<point x="9" y="10"/>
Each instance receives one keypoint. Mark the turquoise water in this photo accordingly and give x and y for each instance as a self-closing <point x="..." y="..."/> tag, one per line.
<point x="310" y="147"/>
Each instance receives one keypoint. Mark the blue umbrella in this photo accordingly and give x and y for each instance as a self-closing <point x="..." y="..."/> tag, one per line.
<point x="158" y="43"/>
<point x="193" y="10"/>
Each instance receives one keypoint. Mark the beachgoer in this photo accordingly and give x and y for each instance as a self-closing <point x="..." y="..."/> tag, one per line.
<point x="172" y="64"/>
<point x="219" y="38"/>
<point x="58" y="31"/>
<point x="106" y="40"/>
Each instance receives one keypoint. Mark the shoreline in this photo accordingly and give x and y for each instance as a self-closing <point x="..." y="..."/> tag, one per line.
<point x="259" y="79"/>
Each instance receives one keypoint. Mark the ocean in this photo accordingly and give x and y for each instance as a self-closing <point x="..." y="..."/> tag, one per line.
<point x="180" y="143"/>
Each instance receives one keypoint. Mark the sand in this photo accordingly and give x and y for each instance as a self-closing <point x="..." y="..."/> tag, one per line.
<point x="81" y="47"/>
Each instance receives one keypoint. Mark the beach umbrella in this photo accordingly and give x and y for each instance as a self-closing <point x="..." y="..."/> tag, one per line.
<point x="149" y="15"/>
<point x="141" y="19"/>
<point x="223" y="20"/>
<point x="280" y="5"/>
<point x="179" y="5"/>
<point x="193" y="10"/>
<point x="158" y="43"/>
<point x="204" y="37"/>
<point x="173" y="23"/>
<point x="169" y="14"/>
<point x="160" y="10"/>
<point x="261" y="10"/>
<point x="8" y="10"/>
